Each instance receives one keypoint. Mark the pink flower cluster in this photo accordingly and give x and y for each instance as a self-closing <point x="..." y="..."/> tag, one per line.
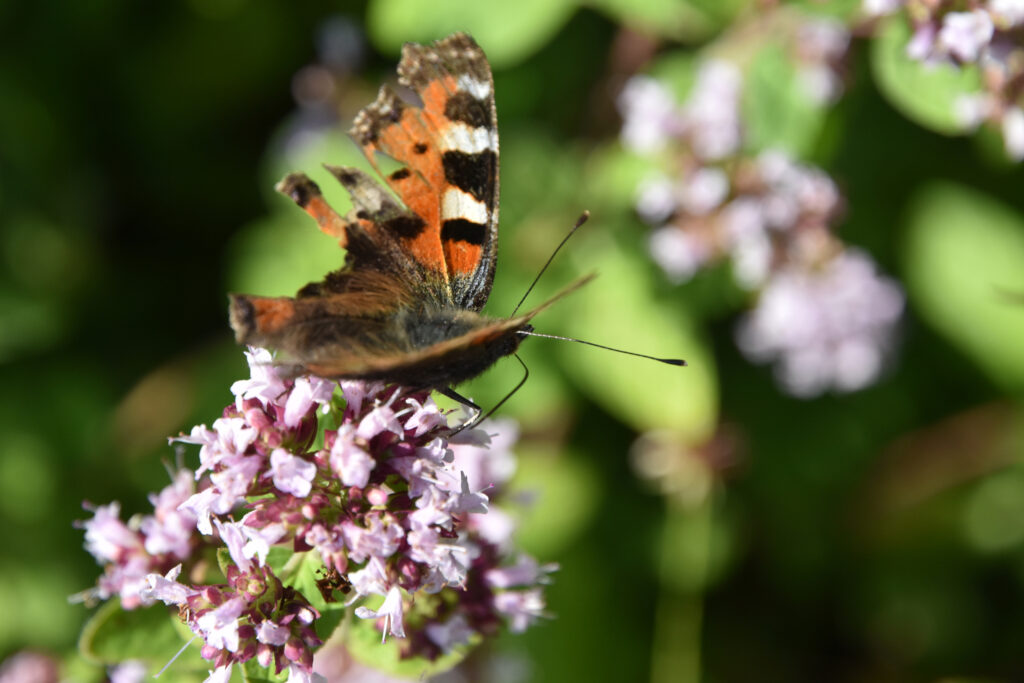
<point x="772" y="218"/>
<point x="129" y="552"/>
<point x="372" y="482"/>
<point x="985" y="34"/>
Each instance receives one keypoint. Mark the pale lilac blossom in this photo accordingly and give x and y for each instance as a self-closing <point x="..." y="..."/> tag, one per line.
<point x="291" y="473"/>
<point x="107" y="538"/>
<point x="131" y="671"/>
<point x="650" y="115"/>
<point x="821" y="44"/>
<point x="221" y="674"/>
<point x="348" y="460"/>
<point x="170" y="529"/>
<point x="771" y="218"/>
<point x="921" y="45"/>
<point x="450" y="634"/>
<point x="876" y="8"/>
<point x="656" y="199"/>
<point x="308" y="391"/>
<point x="166" y="588"/>
<point x="380" y="537"/>
<point x="522" y="608"/>
<point x="27" y="666"/>
<point x="965" y="35"/>
<point x="1013" y="132"/>
<point x="272" y="634"/>
<point x="380" y="419"/>
<point x="826" y="329"/>
<point x="679" y="254"/>
<point x="219" y="626"/>
<point x="711" y="114"/>
<point x="391" y="611"/>
<point x="265" y="382"/>
<point x="703" y="191"/>
<point x="525" y="572"/>
<point x="1006" y="14"/>
<point x="385" y="503"/>
<point x="983" y="36"/>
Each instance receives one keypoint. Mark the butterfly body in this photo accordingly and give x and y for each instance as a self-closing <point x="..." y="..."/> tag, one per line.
<point x="405" y="306"/>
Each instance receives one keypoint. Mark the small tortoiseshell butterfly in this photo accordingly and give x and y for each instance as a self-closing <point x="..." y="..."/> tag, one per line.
<point x="405" y="306"/>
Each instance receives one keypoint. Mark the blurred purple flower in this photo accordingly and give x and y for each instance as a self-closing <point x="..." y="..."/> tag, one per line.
<point x="828" y="328"/>
<point x="822" y="45"/>
<point x="983" y="36"/>
<point x="965" y="35"/>
<point x="876" y="8"/>
<point x="711" y="115"/>
<point x="649" y="115"/>
<point x="1006" y="14"/>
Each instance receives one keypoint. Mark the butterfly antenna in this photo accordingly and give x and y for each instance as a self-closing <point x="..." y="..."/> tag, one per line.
<point x="580" y="221"/>
<point x="526" y="375"/>
<point x="667" y="361"/>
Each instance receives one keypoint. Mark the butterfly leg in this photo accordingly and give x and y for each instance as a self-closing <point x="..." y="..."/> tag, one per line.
<point x="459" y="398"/>
<point x="480" y="417"/>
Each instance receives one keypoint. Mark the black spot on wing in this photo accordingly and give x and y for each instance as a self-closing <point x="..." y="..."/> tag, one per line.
<point x="462" y="106"/>
<point x="420" y="148"/>
<point x="408" y="226"/>
<point x="472" y="173"/>
<point x="461" y="230"/>
<point x="299" y="188"/>
<point x="400" y="174"/>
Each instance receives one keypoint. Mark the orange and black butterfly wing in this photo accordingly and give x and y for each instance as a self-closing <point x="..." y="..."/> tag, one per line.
<point x="402" y="308"/>
<point x="449" y="347"/>
<point x="351" y="312"/>
<point x="447" y="145"/>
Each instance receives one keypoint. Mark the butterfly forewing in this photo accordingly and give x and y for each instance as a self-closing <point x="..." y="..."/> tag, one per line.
<point x="447" y="145"/>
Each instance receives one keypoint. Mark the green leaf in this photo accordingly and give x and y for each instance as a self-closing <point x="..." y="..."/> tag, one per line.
<point x="363" y="641"/>
<point x="721" y="12"/>
<point x="845" y="10"/>
<point x="613" y="178"/>
<point x="677" y="70"/>
<point x="252" y="672"/>
<point x="777" y="109"/>
<point x="667" y="18"/>
<point x="619" y="309"/>
<point x="965" y="273"/>
<point x="308" y="155"/>
<point x="508" y="31"/>
<point x="925" y="93"/>
<point x="564" y="492"/>
<point x="278" y="558"/>
<point x="697" y="544"/>
<point x="302" y="573"/>
<point x="149" y="634"/>
<point x="279" y="254"/>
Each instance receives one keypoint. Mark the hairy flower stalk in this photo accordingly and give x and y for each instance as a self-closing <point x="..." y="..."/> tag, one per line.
<point x="369" y="483"/>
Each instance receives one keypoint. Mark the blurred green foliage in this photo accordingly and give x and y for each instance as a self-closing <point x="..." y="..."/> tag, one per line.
<point x="868" y="537"/>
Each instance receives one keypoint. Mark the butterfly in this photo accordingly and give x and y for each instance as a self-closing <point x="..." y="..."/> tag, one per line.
<point x="405" y="307"/>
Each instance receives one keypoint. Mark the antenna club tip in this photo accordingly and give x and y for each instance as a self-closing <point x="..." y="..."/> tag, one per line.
<point x="674" y="361"/>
